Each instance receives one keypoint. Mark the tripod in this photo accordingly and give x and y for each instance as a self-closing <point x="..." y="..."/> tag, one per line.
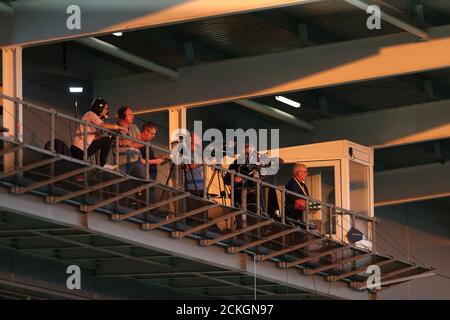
<point x="184" y="168"/>
<point x="223" y="193"/>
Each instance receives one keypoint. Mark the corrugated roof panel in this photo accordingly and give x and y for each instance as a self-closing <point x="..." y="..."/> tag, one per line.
<point x="240" y="35"/>
<point x="347" y="21"/>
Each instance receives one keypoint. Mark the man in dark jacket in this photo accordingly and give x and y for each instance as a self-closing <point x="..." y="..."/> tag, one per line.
<point x="296" y="206"/>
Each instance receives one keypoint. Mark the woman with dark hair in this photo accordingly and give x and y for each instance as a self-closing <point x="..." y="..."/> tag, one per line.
<point x="99" y="111"/>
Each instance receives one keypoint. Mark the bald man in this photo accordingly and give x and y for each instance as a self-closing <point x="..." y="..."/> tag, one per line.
<point x="295" y="206"/>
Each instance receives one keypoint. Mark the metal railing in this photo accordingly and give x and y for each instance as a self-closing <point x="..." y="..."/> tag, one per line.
<point x="337" y="217"/>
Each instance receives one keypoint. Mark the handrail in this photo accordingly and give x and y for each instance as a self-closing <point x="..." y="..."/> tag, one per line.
<point x="282" y="189"/>
<point x="333" y="208"/>
<point x="83" y="122"/>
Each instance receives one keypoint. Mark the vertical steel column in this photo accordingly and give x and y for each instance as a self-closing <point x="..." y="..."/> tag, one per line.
<point x="177" y="121"/>
<point x="12" y="111"/>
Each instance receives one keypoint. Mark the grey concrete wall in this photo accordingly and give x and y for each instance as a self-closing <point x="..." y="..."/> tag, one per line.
<point x="47" y="92"/>
<point x="423" y="233"/>
<point x="50" y="92"/>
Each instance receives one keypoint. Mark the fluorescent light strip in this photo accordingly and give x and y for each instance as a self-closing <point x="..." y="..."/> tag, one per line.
<point x="117" y="34"/>
<point x="288" y="101"/>
<point x="76" y="89"/>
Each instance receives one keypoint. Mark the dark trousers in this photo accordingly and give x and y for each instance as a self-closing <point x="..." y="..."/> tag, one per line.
<point x="103" y="144"/>
<point x="251" y="199"/>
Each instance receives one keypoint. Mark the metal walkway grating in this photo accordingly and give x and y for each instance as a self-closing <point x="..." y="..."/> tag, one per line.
<point x="155" y="206"/>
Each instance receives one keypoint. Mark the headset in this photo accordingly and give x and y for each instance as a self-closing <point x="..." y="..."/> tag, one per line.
<point x="98" y="105"/>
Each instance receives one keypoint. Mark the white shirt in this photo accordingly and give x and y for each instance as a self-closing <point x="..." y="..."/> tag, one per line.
<point x="78" y="140"/>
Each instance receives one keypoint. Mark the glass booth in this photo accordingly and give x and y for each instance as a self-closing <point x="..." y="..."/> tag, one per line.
<point x="339" y="173"/>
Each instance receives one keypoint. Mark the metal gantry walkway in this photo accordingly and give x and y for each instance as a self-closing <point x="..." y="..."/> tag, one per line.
<point x="60" y="179"/>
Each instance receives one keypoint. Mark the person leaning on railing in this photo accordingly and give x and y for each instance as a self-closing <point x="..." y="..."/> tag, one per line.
<point x="99" y="111"/>
<point x="129" y="153"/>
<point x="148" y="133"/>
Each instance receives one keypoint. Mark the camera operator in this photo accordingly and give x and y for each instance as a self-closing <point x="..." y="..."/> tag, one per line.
<point x="244" y="164"/>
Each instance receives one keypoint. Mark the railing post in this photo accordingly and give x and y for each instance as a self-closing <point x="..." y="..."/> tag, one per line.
<point x="205" y="173"/>
<point x="352" y="220"/>
<point x="307" y="214"/>
<point x="283" y="205"/>
<point x="373" y="222"/>
<point x="332" y="212"/>
<point x="52" y="129"/>
<point x="258" y="197"/>
<point x="147" y="165"/>
<point x="244" y="206"/>
<point x="244" y="198"/>
<point x="117" y="151"/>
<point x="85" y="141"/>
<point x="233" y="174"/>
<point x="18" y="134"/>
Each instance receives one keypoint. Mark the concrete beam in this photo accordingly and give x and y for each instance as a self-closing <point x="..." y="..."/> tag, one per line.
<point x="314" y="67"/>
<point x="119" y="53"/>
<point x="43" y="22"/>
<point x="172" y="74"/>
<point x="389" y="127"/>
<point x="412" y="184"/>
<point x="159" y="241"/>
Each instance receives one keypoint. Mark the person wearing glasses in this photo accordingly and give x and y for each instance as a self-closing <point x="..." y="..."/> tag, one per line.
<point x="149" y="131"/>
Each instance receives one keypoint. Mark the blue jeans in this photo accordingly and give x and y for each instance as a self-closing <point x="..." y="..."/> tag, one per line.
<point x="135" y="169"/>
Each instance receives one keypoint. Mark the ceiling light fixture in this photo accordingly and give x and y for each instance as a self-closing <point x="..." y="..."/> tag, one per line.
<point x="288" y="101"/>
<point x="76" y="89"/>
